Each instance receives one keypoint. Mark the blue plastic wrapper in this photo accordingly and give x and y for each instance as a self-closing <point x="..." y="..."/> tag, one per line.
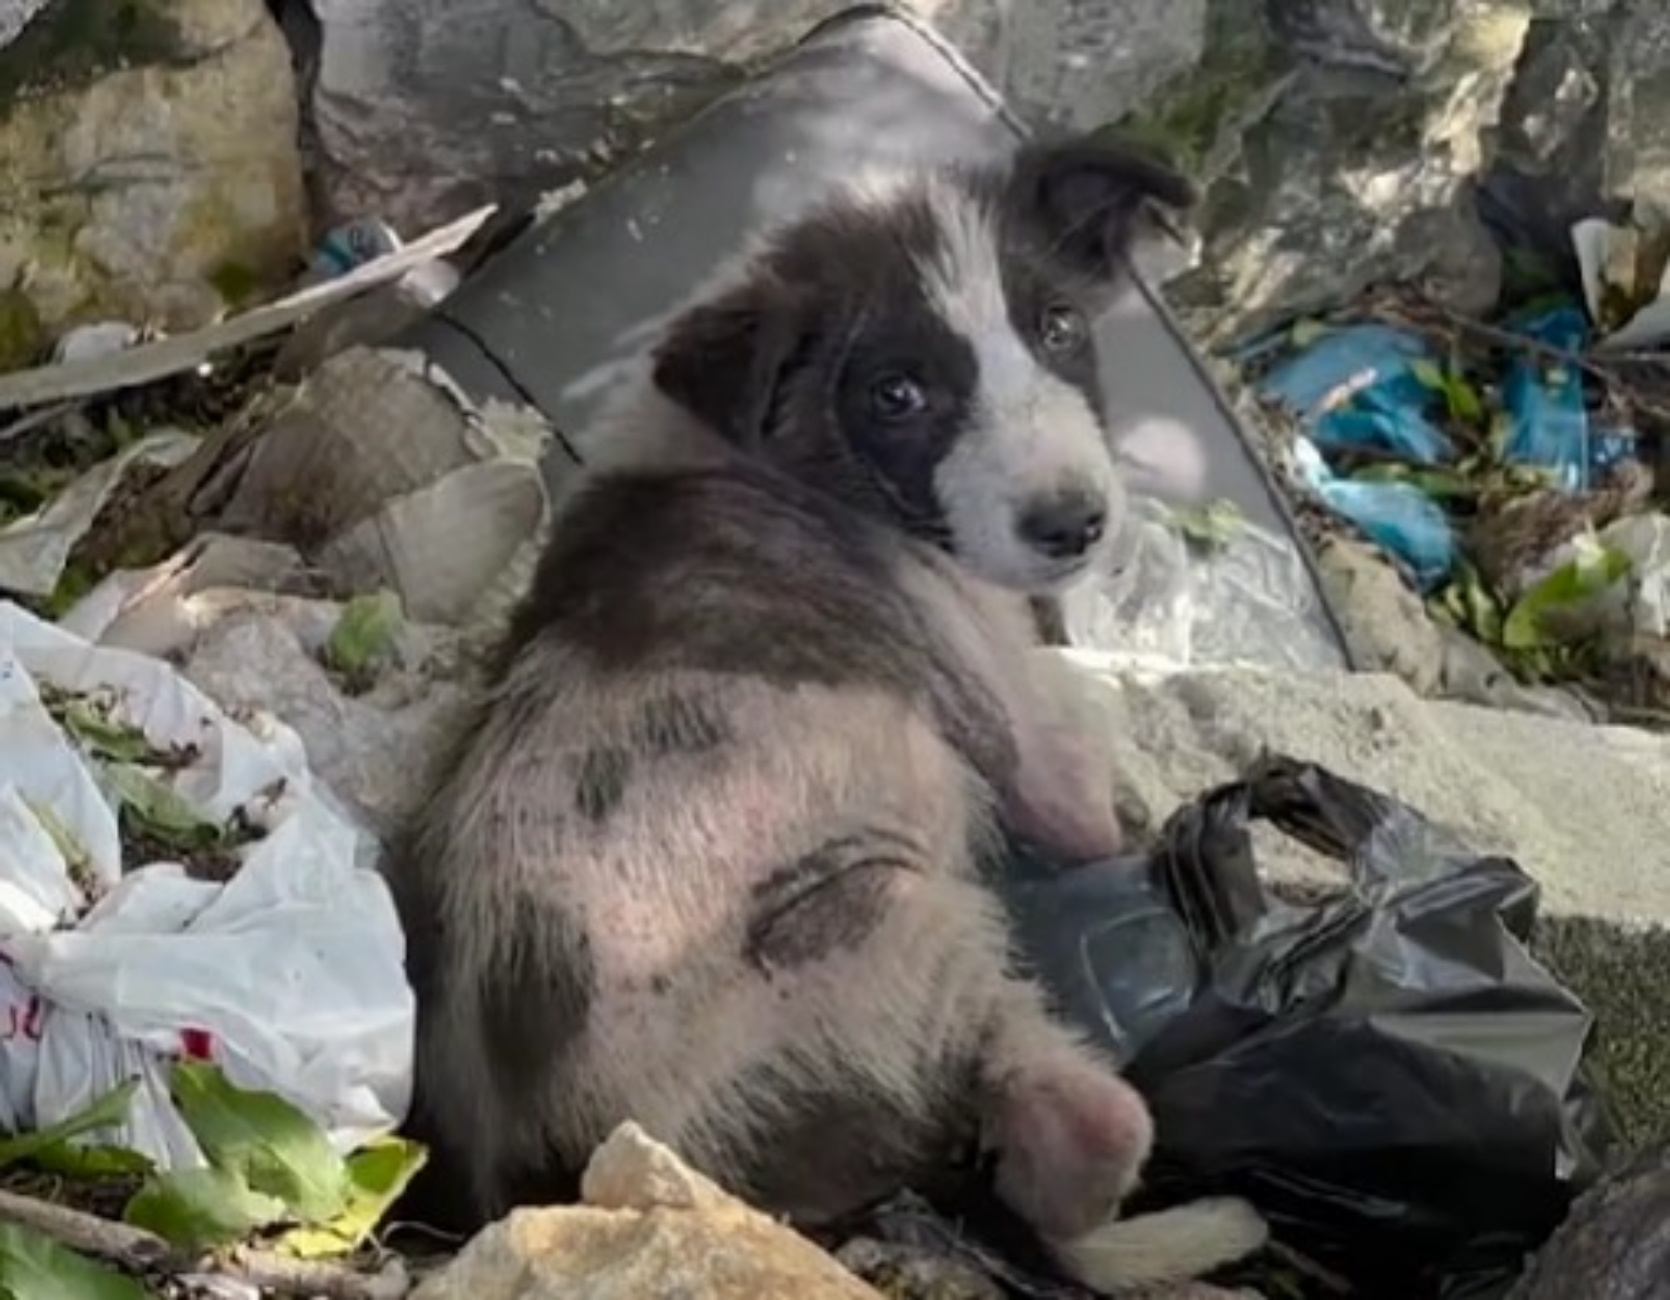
<point x="1398" y="516"/>
<point x="1374" y="365"/>
<point x="1544" y="401"/>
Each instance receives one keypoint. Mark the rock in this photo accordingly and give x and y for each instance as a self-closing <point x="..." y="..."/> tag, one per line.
<point x="15" y="15"/>
<point x="648" y="1226"/>
<point x="1389" y="630"/>
<point x="1615" y="1244"/>
<point x="22" y="336"/>
<point x="1579" y="806"/>
<point x="1338" y="139"/>
<point x="423" y="108"/>
<point x="148" y="153"/>
<point x="254" y="651"/>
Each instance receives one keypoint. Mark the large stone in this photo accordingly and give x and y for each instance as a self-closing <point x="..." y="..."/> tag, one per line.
<point x="149" y="158"/>
<point x="1338" y="139"/>
<point x="425" y="107"/>
<point x="1616" y="1243"/>
<point x="1581" y="126"/>
<point x="649" y="1226"/>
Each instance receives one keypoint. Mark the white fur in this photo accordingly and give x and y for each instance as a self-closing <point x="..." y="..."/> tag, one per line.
<point x="1031" y="434"/>
<point x="1149" y="1248"/>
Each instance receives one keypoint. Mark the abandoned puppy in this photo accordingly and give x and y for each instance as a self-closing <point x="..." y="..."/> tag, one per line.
<point x="713" y="855"/>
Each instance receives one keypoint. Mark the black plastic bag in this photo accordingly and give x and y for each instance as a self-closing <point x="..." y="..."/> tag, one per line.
<point x="1388" y="1075"/>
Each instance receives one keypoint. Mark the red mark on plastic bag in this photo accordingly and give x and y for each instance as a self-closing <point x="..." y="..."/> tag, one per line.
<point x="197" y="1044"/>
<point x="22" y="1022"/>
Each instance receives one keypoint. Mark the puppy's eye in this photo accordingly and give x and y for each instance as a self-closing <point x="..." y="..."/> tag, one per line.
<point x="896" y="397"/>
<point x="1061" y="328"/>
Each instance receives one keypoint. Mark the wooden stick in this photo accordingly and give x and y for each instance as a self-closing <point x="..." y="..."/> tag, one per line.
<point x="139" y="1251"/>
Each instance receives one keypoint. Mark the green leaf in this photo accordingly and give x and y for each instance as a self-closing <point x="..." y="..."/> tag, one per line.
<point x="105" y="1112"/>
<point x="276" y="1149"/>
<point x="1465" y="402"/>
<point x="93" y="1162"/>
<point x="1307" y="331"/>
<point x="88" y="721"/>
<point x="198" y="1209"/>
<point x="35" y="1267"/>
<point x="364" y="634"/>
<point x="377" y="1174"/>
<point x="159" y="812"/>
<point x="1428" y="373"/>
<point x="1579" y="579"/>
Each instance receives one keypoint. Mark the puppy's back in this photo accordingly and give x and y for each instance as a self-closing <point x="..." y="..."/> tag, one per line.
<point x="719" y="693"/>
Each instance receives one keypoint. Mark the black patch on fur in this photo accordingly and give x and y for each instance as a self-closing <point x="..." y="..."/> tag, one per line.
<point x="535" y="996"/>
<point x="825" y="902"/>
<point x="846" y="1145"/>
<point x="600" y="781"/>
<point x="746" y="571"/>
<point x="784" y="365"/>
<point x="676" y="724"/>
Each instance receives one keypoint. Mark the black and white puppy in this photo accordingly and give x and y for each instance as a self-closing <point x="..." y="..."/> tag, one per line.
<point x="715" y="854"/>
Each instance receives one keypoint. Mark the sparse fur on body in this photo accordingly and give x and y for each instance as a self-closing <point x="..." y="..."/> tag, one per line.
<point x="716" y="854"/>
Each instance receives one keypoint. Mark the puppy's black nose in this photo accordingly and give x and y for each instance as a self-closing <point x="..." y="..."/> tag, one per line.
<point x="1064" y="525"/>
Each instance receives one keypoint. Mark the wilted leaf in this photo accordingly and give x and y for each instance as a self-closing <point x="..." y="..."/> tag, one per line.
<point x="35" y="1267"/>
<point x="106" y="1112"/>
<point x="275" y="1148"/>
<point x="89" y="723"/>
<point x="1307" y="331"/>
<point x="158" y="812"/>
<point x="196" y="1209"/>
<point x="364" y="633"/>
<point x="1211" y="526"/>
<point x="1574" y="582"/>
<point x="377" y="1174"/>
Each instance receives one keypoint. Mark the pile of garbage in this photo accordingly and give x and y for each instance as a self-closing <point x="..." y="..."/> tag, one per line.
<point x="1509" y="470"/>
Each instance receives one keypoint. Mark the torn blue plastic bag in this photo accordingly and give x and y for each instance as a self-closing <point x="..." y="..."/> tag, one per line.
<point x="1543" y="398"/>
<point x="1357" y="387"/>
<point x="1398" y="516"/>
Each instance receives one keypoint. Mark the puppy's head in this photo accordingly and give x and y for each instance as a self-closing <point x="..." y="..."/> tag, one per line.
<point x="923" y="348"/>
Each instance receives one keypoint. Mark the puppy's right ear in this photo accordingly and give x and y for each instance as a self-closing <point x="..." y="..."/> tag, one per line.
<point x="724" y="359"/>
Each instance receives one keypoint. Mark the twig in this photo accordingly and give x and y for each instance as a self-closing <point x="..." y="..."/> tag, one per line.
<point x="33" y="420"/>
<point x="139" y="1251"/>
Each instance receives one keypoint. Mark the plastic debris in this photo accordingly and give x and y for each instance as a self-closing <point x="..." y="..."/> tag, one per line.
<point x="1544" y="401"/>
<point x="35" y="549"/>
<point x="1361" y="387"/>
<point x="283" y="963"/>
<point x="1398" y="516"/>
<point x="1387" y="1075"/>
<point x="1203" y="587"/>
<point x="1628" y="305"/>
<point x="351" y="245"/>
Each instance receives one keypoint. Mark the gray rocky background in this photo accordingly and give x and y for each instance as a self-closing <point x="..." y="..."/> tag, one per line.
<point x="162" y="161"/>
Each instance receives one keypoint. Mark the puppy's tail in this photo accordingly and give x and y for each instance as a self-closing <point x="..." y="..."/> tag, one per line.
<point x="1173" y="1245"/>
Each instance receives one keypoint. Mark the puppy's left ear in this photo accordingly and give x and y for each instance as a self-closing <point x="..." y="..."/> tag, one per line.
<point x="723" y="359"/>
<point x="1095" y="198"/>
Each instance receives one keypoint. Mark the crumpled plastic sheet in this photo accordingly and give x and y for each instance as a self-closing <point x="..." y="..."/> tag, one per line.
<point x="1543" y="398"/>
<point x="1399" y="516"/>
<point x="1250" y="599"/>
<point x="290" y="976"/>
<point x="1356" y="388"/>
<point x="1387" y="1074"/>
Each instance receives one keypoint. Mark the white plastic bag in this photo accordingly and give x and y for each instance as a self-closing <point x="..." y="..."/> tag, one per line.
<point x="290" y="975"/>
